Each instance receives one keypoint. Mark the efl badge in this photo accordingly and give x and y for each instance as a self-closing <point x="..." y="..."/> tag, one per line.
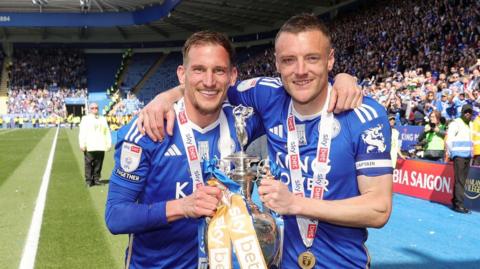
<point x="130" y="157"/>
<point x="247" y="84"/>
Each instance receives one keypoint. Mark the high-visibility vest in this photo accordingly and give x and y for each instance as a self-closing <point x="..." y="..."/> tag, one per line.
<point x="459" y="139"/>
<point x="435" y="142"/>
<point x="94" y="133"/>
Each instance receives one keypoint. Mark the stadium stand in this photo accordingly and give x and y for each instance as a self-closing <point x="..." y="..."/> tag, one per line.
<point x="164" y="77"/>
<point x="57" y="55"/>
<point x="138" y="67"/>
<point x="256" y="61"/>
<point x="407" y="51"/>
<point x="53" y="68"/>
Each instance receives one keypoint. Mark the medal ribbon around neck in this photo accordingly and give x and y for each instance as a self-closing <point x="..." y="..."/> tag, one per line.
<point x="308" y="227"/>
<point x="190" y="144"/>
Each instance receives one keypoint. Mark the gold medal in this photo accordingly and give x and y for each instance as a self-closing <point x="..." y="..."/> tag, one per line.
<point x="306" y="260"/>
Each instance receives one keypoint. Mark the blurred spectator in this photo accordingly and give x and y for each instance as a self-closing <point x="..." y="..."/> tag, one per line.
<point x="476" y="141"/>
<point x="396" y="143"/>
<point x="432" y="139"/>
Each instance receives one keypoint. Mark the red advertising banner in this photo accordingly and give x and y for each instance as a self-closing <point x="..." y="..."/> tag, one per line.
<point x="425" y="180"/>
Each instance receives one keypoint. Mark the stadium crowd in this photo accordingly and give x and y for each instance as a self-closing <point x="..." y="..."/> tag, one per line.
<point x="48" y="69"/>
<point x="39" y="82"/>
<point x="38" y="106"/>
<point x="414" y="57"/>
<point x="260" y="64"/>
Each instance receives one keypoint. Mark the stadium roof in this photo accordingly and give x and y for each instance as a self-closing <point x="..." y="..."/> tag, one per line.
<point x="235" y="17"/>
<point x="73" y="5"/>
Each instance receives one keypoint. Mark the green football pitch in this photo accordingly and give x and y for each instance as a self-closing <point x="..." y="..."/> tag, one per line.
<point x="73" y="232"/>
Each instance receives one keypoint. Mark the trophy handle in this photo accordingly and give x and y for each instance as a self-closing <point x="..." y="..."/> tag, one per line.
<point x="263" y="170"/>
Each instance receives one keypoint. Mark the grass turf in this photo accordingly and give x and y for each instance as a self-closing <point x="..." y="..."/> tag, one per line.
<point x="73" y="233"/>
<point x="15" y="145"/>
<point x="74" y="236"/>
<point x="22" y="169"/>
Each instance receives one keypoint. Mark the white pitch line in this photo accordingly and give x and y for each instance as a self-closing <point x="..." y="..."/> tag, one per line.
<point x="30" y="249"/>
<point x="6" y="131"/>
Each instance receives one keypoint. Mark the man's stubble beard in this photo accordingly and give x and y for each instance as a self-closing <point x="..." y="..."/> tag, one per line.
<point x="206" y="111"/>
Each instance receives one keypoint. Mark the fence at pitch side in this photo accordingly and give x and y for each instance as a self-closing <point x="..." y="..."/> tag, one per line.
<point x="434" y="182"/>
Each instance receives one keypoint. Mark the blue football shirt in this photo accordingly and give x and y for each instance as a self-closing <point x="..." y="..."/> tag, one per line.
<point x="146" y="175"/>
<point x="360" y="146"/>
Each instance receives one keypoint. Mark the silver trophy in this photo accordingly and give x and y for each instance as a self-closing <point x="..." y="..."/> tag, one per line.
<point x="264" y="224"/>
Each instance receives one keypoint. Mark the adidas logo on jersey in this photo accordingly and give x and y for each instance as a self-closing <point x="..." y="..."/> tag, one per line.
<point x="173" y="151"/>
<point x="277" y="130"/>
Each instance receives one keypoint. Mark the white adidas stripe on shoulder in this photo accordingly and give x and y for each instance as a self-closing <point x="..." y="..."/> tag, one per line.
<point x="272" y="82"/>
<point x="365" y="113"/>
<point x="139" y="136"/>
<point x="372" y="110"/>
<point x="359" y="115"/>
<point x="273" y="85"/>
<point x="134" y="125"/>
<point x="133" y="134"/>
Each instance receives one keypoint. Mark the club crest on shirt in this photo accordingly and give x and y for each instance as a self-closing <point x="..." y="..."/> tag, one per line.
<point x="374" y="139"/>
<point x="130" y="157"/>
<point x="203" y="150"/>
<point x="247" y="84"/>
<point x="302" y="137"/>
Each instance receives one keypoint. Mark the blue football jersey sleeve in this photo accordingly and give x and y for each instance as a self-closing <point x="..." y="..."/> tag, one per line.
<point x="133" y="152"/>
<point x="124" y="215"/>
<point x="371" y="135"/>
<point x="132" y="160"/>
<point x="259" y="93"/>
